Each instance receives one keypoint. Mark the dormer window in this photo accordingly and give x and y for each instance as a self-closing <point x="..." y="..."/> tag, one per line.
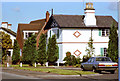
<point x="29" y="33"/>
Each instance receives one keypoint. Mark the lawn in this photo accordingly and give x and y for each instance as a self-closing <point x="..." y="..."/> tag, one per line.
<point x="52" y="70"/>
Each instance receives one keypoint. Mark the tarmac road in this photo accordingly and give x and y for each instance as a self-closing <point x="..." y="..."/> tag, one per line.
<point x="37" y="76"/>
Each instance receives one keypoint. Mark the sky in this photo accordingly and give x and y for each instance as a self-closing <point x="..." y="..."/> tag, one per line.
<point x="24" y="12"/>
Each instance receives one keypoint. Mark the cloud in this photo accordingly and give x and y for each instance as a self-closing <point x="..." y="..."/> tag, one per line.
<point x="113" y="6"/>
<point x="17" y="9"/>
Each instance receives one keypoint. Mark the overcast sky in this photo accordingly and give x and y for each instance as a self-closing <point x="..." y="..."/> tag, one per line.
<point x="24" y="12"/>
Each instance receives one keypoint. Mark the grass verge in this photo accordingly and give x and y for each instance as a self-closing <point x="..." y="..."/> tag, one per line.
<point x="52" y="70"/>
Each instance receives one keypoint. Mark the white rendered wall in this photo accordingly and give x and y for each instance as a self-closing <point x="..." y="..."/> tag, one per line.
<point x="68" y="42"/>
<point x="71" y="43"/>
<point x="90" y="19"/>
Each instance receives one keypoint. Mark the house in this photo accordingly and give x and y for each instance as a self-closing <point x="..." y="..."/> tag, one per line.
<point x="5" y="27"/>
<point x="74" y="31"/>
<point x="26" y="30"/>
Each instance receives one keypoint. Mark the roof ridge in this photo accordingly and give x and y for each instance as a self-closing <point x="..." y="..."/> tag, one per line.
<point x="37" y="20"/>
<point x="66" y="15"/>
<point x="9" y="31"/>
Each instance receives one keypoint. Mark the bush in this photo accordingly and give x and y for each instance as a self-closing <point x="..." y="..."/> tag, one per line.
<point x="68" y="53"/>
<point x="71" y="59"/>
<point x="77" y="65"/>
<point x="85" y="58"/>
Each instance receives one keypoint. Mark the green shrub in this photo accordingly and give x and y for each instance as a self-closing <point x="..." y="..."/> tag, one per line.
<point x="71" y="60"/>
<point x="85" y="58"/>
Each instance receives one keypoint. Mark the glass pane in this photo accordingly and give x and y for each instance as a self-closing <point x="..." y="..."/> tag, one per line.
<point x="103" y="32"/>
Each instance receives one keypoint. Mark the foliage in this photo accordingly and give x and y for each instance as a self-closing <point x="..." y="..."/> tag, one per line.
<point x="29" y="50"/>
<point x="78" y="60"/>
<point x="41" y="58"/>
<point x="70" y="60"/>
<point x="6" y="44"/>
<point x="16" y="53"/>
<point x="52" y="51"/>
<point x="89" y="50"/>
<point x="113" y="43"/>
<point x="85" y="58"/>
<point x="68" y="53"/>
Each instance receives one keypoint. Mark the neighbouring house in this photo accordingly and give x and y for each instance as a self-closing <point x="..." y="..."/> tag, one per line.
<point x="74" y="31"/>
<point x="5" y="27"/>
<point x="26" y="30"/>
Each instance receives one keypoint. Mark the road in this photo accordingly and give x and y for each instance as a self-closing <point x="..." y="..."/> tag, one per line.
<point x="37" y="76"/>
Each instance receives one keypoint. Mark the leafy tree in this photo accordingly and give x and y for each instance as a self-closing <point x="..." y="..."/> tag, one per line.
<point x="6" y="44"/>
<point x="42" y="50"/>
<point x="29" y="50"/>
<point x="89" y="50"/>
<point x="113" y="43"/>
<point x="52" y="51"/>
<point x="16" y="53"/>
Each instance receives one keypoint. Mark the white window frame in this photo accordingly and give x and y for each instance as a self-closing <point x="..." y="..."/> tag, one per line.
<point x="105" y="31"/>
<point x="26" y="32"/>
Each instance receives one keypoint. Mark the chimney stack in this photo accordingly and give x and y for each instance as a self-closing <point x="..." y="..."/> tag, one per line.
<point x="90" y="19"/>
<point x="9" y="26"/>
<point x="4" y="24"/>
<point x="47" y="16"/>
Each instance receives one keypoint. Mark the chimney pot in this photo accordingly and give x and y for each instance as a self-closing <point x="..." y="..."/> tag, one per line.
<point x="9" y="26"/>
<point x="47" y="16"/>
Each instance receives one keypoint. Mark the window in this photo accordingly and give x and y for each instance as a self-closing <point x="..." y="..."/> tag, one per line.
<point x="57" y="33"/>
<point x="26" y="35"/>
<point x="103" y="51"/>
<point x="103" y="59"/>
<point x="30" y="34"/>
<point x="50" y="33"/>
<point x="105" y="32"/>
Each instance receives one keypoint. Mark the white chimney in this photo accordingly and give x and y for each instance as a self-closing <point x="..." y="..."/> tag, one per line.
<point x="89" y="19"/>
<point x="5" y="24"/>
<point x="9" y="26"/>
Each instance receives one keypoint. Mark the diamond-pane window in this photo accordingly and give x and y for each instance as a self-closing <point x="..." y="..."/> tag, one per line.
<point x="77" y="34"/>
<point x="77" y="52"/>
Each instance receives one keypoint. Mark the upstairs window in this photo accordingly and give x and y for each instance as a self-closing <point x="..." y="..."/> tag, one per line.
<point x="57" y="33"/>
<point x="30" y="34"/>
<point x="103" y="32"/>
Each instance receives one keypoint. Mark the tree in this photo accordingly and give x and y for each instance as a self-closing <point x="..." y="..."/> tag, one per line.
<point x="29" y="50"/>
<point x="42" y="50"/>
<point x="113" y="43"/>
<point x="16" y="53"/>
<point x="52" y="51"/>
<point x="6" y="44"/>
<point x="90" y="49"/>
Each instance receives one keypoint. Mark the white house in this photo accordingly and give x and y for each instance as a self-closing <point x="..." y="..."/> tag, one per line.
<point x="73" y="32"/>
<point x="5" y="27"/>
